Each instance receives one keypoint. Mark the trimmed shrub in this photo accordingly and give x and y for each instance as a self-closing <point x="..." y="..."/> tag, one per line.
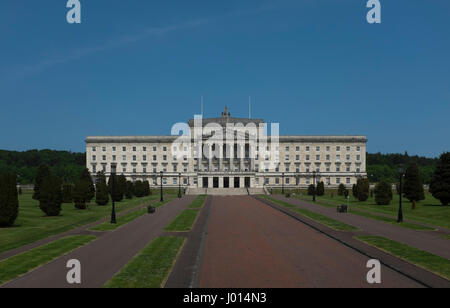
<point x="67" y="193"/>
<point x="146" y="188"/>
<point x="79" y="194"/>
<point x="50" y="195"/>
<point x="9" y="202"/>
<point x="320" y="188"/>
<point x="383" y="193"/>
<point x="138" y="189"/>
<point x="42" y="173"/>
<point x="311" y="189"/>
<point x="355" y="190"/>
<point x="440" y="183"/>
<point x="118" y="193"/>
<point x="341" y="190"/>
<point x="101" y="190"/>
<point x="90" y="189"/>
<point x="130" y="190"/>
<point x="362" y="188"/>
<point x="413" y="188"/>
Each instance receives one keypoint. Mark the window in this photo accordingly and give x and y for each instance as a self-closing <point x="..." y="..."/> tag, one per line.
<point x="114" y="157"/>
<point x="277" y="180"/>
<point x="328" y="157"/>
<point x="175" y="157"/>
<point x="114" y="149"/>
<point x="348" y="180"/>
<point x="154" y="149"/>
<point x="134" y="157"/>
<point x="104" y="168"/>
<point x="287" y="158"/>
<point x="347" y="157"/>
<point x="297" y="157"/>
<point x="94" y="168"/>
<point x="124" y="169"/>
<point x="338" y="180"/>
<point x="134" y="149"/>
<point x="347" y="168"/>
<point x="164" y="157"/>
<point x="307" y="157"/>
<point x="104" y="149"/>
<point x="287" y="180"/>
<point x="358" y="149"/>
<point x="124" y="157"/>
<point x="338" y="169"/>
<point x="134" y="170"/>
<point x="287" y="168"/>
<point x="358" y="157"/>
<point x="144" y="157"/>
<point x="307" y="149"/>
<point x="328" y="168"/>
<point x="165" y="149"/>
<point x="328" y="148"/>
<point x="317" y="149"/>
<point x="297" y="148"/>
<point x="175" y="181"/>
<point x="317" y="157"/>
<point x="338" y="148"/>
<point x="94" y="149"/>
<point x="104" y="157"/>
<point x="175" y="167"/>
<point x="287" y="149"/>
<point x="94" y="157"/>
<point x="348" y="149"/>
<point x="124" y="149"/>
<point x="338" y="157"/>
<point x="144" y="169"/>
<point x="154" y="170"/>
<point x="154" y="157"/>
<point x="144" y="149"/>
<point x="308" y="181"/>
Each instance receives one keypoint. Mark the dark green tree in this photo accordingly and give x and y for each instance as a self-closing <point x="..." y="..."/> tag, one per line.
<point x="138" y="189"/>
<point x="9" y="201"/>
<point x="79" y="194"/>
<point x="355" y="190"/>
<point x="146" y="187"/>
<point x="42" y="172"/>
<point x="362" y="189"/>
<point x="440" y="182"/>
<point x="90" y="189"/>
<point x="67" y="193"/>
<point x="320" y="188"/>
<point x="50" y="195"/>
<point x="311" y="189"/>
<point x="413" y="188"/>
<point x="101" y="189"/>
<point x="122" y="184"/>
<point x="383" y="193"/>
<point x="341" y="190"/>
<point x="117" y="195"/>
<point x="130" y="190"/>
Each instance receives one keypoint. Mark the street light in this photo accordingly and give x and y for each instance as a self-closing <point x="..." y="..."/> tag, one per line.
<point x="113" y="178"/>
<point x="400" y="211"/>
<point x="161" y="198"/>
<point x="282" y="183"/>
<point x="314" y="181"/>
<point x="179" y="185"/>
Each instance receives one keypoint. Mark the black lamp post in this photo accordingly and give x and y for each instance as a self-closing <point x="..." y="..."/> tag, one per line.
<point x="179" y="185"/>
<point x="282" y="183"/>
<point x="400" y="211"/>
<point x="314" y="181"/>
<point x="113" y="178"/>
<point x="161" y="184"/>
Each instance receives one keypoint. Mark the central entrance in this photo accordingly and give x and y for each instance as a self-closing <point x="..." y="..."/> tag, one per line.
<point x="247" y="182"/>
<point x="226" y="182"/>
<point x="215" y="182"/>
<point x="205" y="182"/>
<point x="237" y="182"/>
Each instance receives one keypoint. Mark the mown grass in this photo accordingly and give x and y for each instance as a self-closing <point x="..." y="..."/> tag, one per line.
<point x="429" y="211"/>
<point x="324" y="220"/>
<point x="32" y="224"/>
<point x="426" y="260"/>
<point x="184" y="221"/>
<point x="151" y="267"/>
<point x="127" y="218"/>
<point x="20" y="264"/>
<point x="198" y="202"/>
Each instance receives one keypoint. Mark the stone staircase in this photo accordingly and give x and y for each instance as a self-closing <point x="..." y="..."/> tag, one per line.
<point x="225" y="191"/>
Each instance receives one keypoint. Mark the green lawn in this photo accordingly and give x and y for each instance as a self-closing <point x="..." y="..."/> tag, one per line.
<point x="151" y="267"/>
<point x="428" y="211"/>
<point x="329" y="222"/>
<point x="184" y="221"/>
<point x="124" y="219"/>
<point x="198" y="202"/>
<point x="20" y="264"/>
<point x="426" y="260"/>
<point x="32" y="224"/>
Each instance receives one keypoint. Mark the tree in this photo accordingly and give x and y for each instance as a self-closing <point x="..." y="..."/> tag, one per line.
<point x="79" y="194"/>
<point x="311" y="189"/>
<point x="355" y="191"/>
<point x="440" y="182"/>
<point x="67" y="193"/>
<point x="117" y="196"/>
<point x="146" y="187"/>
<point x="320" y="189"/>
<point x="42" y="173"/>
<point x="130" y="190"/>
<point x="50" y="195"/>
<point x="122" y="184"/>
<point x="341" y="190"/>
<point x="413" y="188"/>
<point x="138" y="189"/>
<point x="9" y="201"/>
<point x="90" y="189"/>
<point x="362" y="189"/>
<point x="101" y="189"/>
<point x="383" y="193"/>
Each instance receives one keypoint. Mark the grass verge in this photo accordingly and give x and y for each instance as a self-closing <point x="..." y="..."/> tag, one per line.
<point x="324" y="220"/>
<point x="150" y="268"/>
<point x="198" y="202"/>
<point x="20" y="264"/>
<point x="423" y="259"/>
<point x="184" y="221"/>
<point x="124" y="219"/>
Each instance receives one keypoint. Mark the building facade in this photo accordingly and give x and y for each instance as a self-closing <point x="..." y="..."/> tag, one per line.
<point x="227" y="152"/>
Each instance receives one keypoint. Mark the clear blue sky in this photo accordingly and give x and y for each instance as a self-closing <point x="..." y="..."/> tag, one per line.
<point x="136" y="67"/>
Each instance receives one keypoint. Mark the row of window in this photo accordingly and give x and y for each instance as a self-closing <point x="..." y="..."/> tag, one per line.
<point x="287" y="148"/>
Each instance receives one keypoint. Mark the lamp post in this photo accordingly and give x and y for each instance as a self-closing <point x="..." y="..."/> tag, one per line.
<point x="400" y="211"/>
<point x="179" y="185"/>
<point x="161" y="185"/>
<point x="314" y="181"/>
<point x="282" y="183"/>
<point x="113" y="178"/>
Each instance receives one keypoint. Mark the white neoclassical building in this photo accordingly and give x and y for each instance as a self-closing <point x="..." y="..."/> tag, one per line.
<point x="228" y="152"/>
